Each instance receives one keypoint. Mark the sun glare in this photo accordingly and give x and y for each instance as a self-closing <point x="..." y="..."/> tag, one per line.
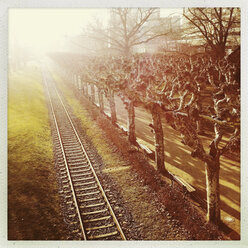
<point x="39" y="31"/>
<point x="42" y="30"/>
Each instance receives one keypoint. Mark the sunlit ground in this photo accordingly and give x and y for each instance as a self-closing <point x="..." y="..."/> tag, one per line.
<point x="34" y="211"/>
<point x="179" y="161"/>
<point x="44" y="30"/>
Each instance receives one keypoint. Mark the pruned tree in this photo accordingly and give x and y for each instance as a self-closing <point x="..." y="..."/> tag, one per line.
<point x="221" y="111"/>
<point x="129" y="27"/>
<point x="217" y="27"/>
<point x="176" y="85"/>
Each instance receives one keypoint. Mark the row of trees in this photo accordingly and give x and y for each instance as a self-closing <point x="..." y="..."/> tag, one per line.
<point x="216" y="29"/>
<point x="194" y="93"/>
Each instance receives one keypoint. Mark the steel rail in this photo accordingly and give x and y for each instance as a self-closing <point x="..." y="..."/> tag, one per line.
<point x="66" y="164"/>
<point x="115" y="220"/>
<point x="93" y="170"/>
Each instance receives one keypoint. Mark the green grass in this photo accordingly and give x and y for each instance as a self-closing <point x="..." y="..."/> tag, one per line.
<point x="33" y="202"/>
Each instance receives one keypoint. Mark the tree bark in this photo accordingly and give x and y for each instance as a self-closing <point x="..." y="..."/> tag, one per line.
<point x="92" y="91"/>
<point x="86" y="90"/>
<point x="112" y="106"/>
<point x="83" y="89"/>
<point x="100" y="97"/>
<point x="131" y="123"/>
<point x="74" y="79"/>
<point x="220" y="50"/>
<point x="159" y="139"/>
<point x="212" y="168"/>
<point x="79" y="83"/>
<point x="199" y="127"/>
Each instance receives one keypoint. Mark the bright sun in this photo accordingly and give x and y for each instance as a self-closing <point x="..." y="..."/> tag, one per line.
<point x="43" y="29"/>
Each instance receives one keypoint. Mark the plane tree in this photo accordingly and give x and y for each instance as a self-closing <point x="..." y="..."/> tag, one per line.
<point x="174" y="86"/>
<point x="127" y="29"/>
<point x="221" y="112"/>
<point x="177" y="86"/>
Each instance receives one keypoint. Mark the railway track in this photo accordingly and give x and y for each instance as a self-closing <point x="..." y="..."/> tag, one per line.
<point x="90" y="214"/>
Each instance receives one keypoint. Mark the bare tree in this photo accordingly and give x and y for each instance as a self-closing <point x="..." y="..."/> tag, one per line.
<point x="222" y="113"/>
<point x="128" y="28"/>
<point x="215" y="25"/>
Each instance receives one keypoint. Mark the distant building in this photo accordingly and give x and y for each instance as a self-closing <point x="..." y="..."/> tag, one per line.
<point x="170" y="26"/>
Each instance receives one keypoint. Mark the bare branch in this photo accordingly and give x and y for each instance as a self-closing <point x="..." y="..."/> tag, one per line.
<point x="214" y="150"/>
<point x="234" y="142"/>
<point x="149" y="39"/>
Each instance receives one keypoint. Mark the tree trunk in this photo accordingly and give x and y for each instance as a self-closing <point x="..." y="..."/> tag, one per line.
<point x="112" y="106"/>
<point x="100" y="97"/>
<point x="213" y="192"/>
<point x="220" y="50"/>
<point x="159" y="139"/>
<point x="85" y="89"/>
<point x="74" y="79"/>
<point x="126" y="51"/>
<point x="200" y="127"/>
<point x="131" y="123"/>
<point x="92" y="91"/>
<point x="79" y="83"/>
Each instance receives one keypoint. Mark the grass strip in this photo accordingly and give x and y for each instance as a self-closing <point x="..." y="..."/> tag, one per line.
<point x="33" y="201"/>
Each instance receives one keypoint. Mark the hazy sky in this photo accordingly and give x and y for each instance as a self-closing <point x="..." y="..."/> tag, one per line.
<point x="40" y="29"/>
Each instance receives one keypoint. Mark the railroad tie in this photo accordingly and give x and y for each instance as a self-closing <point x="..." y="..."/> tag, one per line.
<point x="99" y="227"/>
<point x="87" y="183"/>
<point x="90" y="193"/>
<point x="89" y="188"/>
<point x="93" y="205"/>
<point x="80" y="184"/>
<point x="98" y="219"/>
<point x="103" y="235"/>
<point x="91" y="199"/>
<point x="95" y="212"/>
